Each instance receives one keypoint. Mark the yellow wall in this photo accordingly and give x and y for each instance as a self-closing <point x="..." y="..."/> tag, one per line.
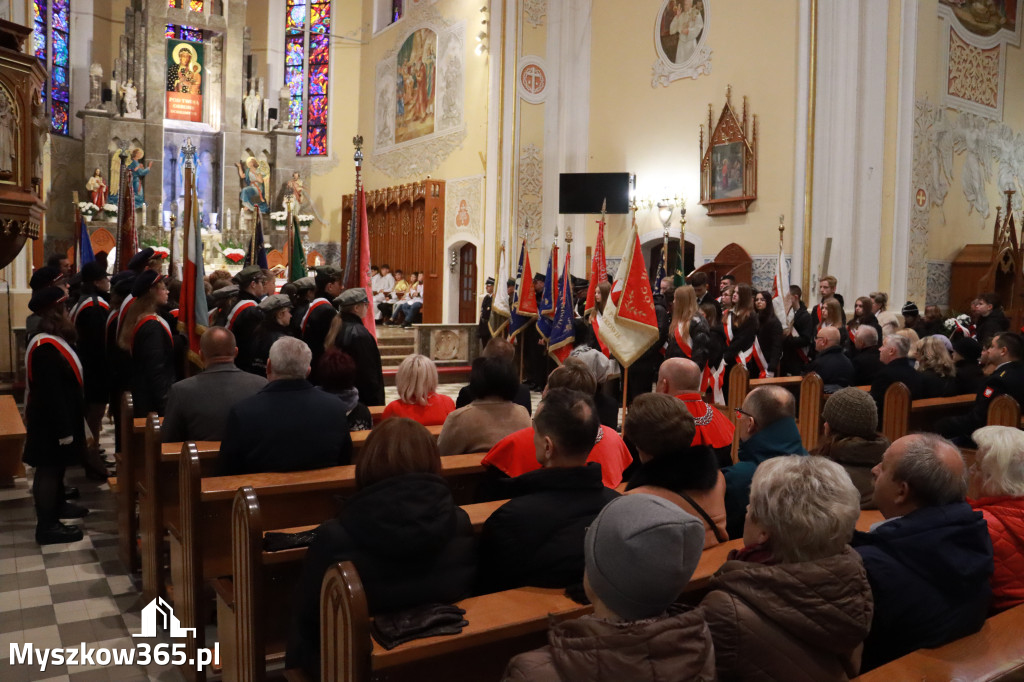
<point x="951" y="226"/>
<point x="107" y="29"/>
<point x="653" y="132"/>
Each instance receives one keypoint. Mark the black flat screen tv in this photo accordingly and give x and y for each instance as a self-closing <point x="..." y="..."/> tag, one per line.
<point x="585" y="192"/>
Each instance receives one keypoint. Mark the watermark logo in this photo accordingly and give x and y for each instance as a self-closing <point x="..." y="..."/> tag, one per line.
<point x="157" y="616"/>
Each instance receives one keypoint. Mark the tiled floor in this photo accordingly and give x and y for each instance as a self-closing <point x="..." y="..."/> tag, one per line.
<point x="67" y="595"/>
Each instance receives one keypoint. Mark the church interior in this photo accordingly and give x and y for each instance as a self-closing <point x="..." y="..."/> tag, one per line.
<point x="877" y="141"/>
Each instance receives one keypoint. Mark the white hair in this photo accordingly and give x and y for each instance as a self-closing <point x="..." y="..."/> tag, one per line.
<point x="899" y="343"/>
<point x="290" y="358"/>
<point x="416" y="379"/>
<point x="1000" y="460"/>
<point x="867" y="334"/>
<point x="808" y="505"/>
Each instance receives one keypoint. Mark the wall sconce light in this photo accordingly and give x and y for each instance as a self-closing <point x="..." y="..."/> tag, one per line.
<point x="481" y="37"/>
<point x="453" y="261"/>
<point x="665" y="210"/>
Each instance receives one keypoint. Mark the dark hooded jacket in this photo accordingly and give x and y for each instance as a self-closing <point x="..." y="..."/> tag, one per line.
<point x="781" y="437"/>
<point x="858" y="456"/>
<point x="793" y="621"/>
<point x="676" y="646"/>
<point x="410" y="544"/>
<point x="929" y="573"/>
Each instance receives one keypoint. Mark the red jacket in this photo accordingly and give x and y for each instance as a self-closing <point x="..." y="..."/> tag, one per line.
<point x="1005" y="518"/>
<point x="714" y="429"/>
<point x="514" y="455"/>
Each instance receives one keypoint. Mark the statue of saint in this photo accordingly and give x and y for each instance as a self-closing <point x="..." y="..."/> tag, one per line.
<point x="97" y="187"/>
<point x="256" y="176"/>
<point x="8" y="148"/>
<point x="252" y="108"/>
<point x="95" y="87"/>
<point x="138" y="172"/>
<point x="130" y="99"/>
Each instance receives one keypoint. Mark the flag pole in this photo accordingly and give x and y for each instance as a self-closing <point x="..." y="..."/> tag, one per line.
<point x="78" y="231"/>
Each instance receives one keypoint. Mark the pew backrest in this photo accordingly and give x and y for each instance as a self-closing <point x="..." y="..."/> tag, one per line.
<point x="1004" y="411"/>
<point x="896" y="411"/>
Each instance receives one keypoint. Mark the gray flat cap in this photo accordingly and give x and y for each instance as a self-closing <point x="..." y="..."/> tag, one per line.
<point x="275" y="302"/>
<point x="351" y="297"/>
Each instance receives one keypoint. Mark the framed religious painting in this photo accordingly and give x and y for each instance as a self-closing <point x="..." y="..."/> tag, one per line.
<point x="728" y="161"/>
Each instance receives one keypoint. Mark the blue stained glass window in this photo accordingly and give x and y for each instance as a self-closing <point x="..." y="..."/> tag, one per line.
<point x="184" y="33"/>
<point x="307" y="72"/>
<point x="60" y="47"/>
<point x="59" y="116"/>
<point x="51" y="23"/>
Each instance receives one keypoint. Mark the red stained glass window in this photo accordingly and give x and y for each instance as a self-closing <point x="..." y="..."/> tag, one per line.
<point x="307" y="73"/>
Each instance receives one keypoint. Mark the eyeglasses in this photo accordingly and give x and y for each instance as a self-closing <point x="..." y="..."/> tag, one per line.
<point x="740" y="410"/>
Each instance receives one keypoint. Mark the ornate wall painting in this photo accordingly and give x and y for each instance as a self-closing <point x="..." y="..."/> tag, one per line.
<point x="974" y="51"/>
<point x="680" y="41"/>
<point x="728" y="161"/>
<point x="414" y="86"/>
<point x="419" y="95"/>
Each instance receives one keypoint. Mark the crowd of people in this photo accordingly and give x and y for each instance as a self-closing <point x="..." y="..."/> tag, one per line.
<point x="617" y="515"/>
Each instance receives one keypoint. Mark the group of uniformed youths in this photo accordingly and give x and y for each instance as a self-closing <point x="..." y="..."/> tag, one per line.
<point x="117" y="334"/>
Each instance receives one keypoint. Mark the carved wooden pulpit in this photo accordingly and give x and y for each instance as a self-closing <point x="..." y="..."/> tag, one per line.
<point x="23" y="129"/>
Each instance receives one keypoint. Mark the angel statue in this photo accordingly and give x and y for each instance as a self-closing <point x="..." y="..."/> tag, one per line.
<point x="256" y="175"/>
<point x="298" y="200"/>
<point x="138" y="171"/>
<point x="97" y="187"/>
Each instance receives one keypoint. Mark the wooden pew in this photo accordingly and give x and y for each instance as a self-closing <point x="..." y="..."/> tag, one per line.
<point x="129" y="472"/>
<point x="12" y="441"/>
<point x="254" y="605"/>
<point x="500" y="626"/>
<point x="808" y="389"/>
<point x="902" y="416"/>
<point x="1003" y="411"/>
<point x="376" y="413"/>
<point x="201" y="540"/>
<point x="996" y="652"/>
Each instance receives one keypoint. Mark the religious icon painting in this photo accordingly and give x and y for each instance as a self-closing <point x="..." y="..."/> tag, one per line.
<point x="680" y="41"/>
<point x="184" y="81"/>
<point x="414" y="85"/>
<point x="728" y="166"/>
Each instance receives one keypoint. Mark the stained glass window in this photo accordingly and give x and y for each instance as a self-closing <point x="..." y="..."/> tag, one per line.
<point x="193" y="5"/>
<point x="184" y="33"/>
<point x="307" y="50"/>
<point x="50" y="43"/>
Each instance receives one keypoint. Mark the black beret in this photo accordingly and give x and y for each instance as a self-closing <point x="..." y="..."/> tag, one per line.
<point x="93" y="272"/>
<point x="44" y="277"/>
<point x="489" y="282"/>
<point x="141" y="259"/>
<point x="539" y="277"/>
<point x="144" y="282"/>
<point x="46" y="297"/>
<point x="122" y="282"/>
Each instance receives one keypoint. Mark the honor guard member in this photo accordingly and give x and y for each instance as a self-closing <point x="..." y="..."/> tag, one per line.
<point x="483" y="330"/>
<point x="118" y="360"/>
<point x="143" y="260"/>
<point x="305" y="289"/>
<point x="316" y="321"/>
<point x="277" y="316"/>
<point x="245" y="316"/>
<point x="43" y="277"/>
<point x="222" y="300"/>
<point x="54" y="415"/>
<point x="149" y="339"/>
<point x="348" y="333"/>
<point x="90" y="319"/>
<point x="535" y="350"/>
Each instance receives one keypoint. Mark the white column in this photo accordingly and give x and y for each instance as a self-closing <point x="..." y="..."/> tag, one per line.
<point x="904" y="204"/>
<point x="795" y="222"/>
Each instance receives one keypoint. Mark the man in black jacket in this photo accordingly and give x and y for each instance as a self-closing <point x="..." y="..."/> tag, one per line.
<point x="827" y="289"/>
<point x="357" y="341"/>
<point x="245" y="317"/>
<point x="699" y="282"/>
<point x="831" y="364"/>
<point x="316" y="321"/>
<point x="865" y="357"/>
<point x="797" y="337"/>
<point x="536" y="538"/>
<point x="1005" y="351"/>
<point x="290" y="425"/>
<point x="989" y="318"/>
<point x="898" y="368"/>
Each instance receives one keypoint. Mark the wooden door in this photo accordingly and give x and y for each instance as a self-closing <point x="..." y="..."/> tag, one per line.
<point x="467" y="284"/>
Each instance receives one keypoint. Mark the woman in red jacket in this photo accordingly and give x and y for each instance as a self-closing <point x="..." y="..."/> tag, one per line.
<point x="997" y="491"/>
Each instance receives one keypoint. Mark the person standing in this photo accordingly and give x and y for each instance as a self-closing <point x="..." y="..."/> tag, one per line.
<point x="317" y="320"/>
<point x="348" y="333"/>
<point x="245" y="317"/>
<point x="483" y="330"/>
<point x="276" y="310"/>
<point x="149" y="339"/>
<point x="54" y="415"/>
<point x="90" y="317"/>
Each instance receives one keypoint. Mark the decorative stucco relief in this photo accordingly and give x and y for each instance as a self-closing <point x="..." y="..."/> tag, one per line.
<point x="531" y="194"/>
<point x="534" y="11"/>
<point x="464" y="217"/>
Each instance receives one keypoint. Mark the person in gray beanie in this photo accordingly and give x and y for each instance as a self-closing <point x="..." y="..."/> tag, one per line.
<point x="640" y="553"/>
<point x="851" y="438"/>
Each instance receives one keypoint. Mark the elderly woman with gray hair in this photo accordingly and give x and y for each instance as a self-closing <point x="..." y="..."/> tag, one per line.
<point x="795" y="602"/>
<point x="996" y="489"/>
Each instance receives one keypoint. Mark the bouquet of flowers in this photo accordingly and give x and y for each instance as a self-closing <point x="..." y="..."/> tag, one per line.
<point x="161" y="252"/>
<point x="88" y="208"/>
<point x="960" y="324"/>
<point x="234" y="255"/>
<point x="278" y="218"/>
<point x="110" y="208"/>
<point x="304" y="220"/>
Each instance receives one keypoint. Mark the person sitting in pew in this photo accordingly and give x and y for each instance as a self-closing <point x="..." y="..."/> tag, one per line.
<point x="996" y="489"/>
<point x="418" y="398"/>
<point x="514" y="454"/>
<point x="795" y="603"/>
<point x="497" y="347"/>
<point x="411" y="544"/>
<point x="898" y="368"/>
<point x="672" y="466"/>
<point x="851" y="439"/>
<point x="337" y="373"/>
<point x="640" y="553"/>
<point x="536" y="538"/>
<point x="491" y="416"/>
<point x="197" y="407"/>
<point x="935" y="365"/>
<point x="830" y="362"/>
<point x="930" y="560"/>
<point x="681" y="378"/>
<point x="865" y="356"/>
<point x="290" y="425"/>
<point x="1005" y="352"/>
<point x="967" y="362"/>
<point x="767" y="426"/>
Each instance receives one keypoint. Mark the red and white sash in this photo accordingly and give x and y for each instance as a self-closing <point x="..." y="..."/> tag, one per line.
<point x="125" y="304"/>
<point x="63" y="347"/>
<point x="800" y="352"/>
<point x="852" y="333"/>
<point x="743" y="356"/>
<point x="596" y="326"/>
<point x="317" y="302"/>
<point x="148" y="318"/>
<point x="683" y="345"/>
<point x="237" y="310"/>
<point x="88" y="303"/>
<point x="760" y="359"/>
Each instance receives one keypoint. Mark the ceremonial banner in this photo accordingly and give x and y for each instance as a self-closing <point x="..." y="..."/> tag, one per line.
<point x="780" y="289"/>
<point x="364" y="262"/>
<point x="500" y="311"/>
<point x="184" y="81"/>
<point x="257" y="252"/>
<point x="563" y="336"/>
<point x="85" y="253"/>
<point x="549" y="299"/>
<point x="598" y="268"/>
<point x="524" y="299"/>
<point x="127" y="237"/>
<point x="297" y="267"/>
<point x="629" y="325"/>
<point x="193" y="314"/>
<point x="660" y="274"/>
